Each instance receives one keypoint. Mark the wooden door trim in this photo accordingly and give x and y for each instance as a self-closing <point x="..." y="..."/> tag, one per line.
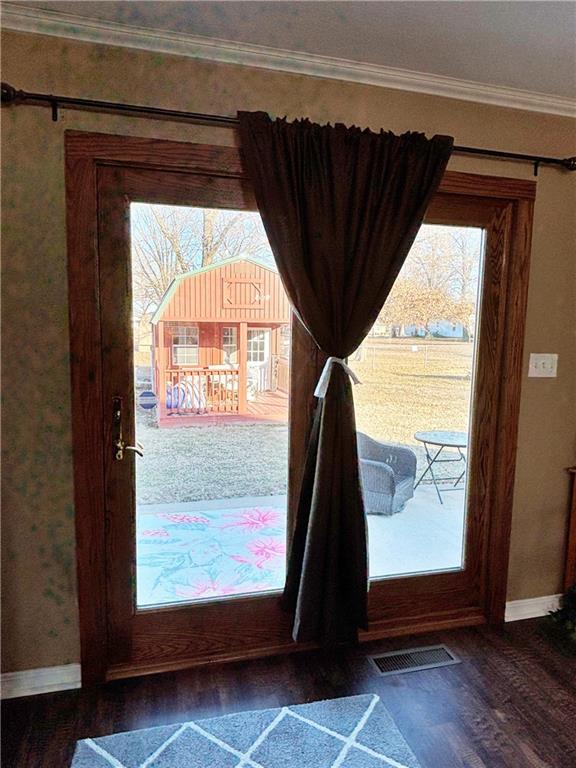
<point x="85" y="153"/>
<point x="111" y="149"/>
<point x="86" y="398"/>
<point x="570" y="565"/>
<point x="520" y="211"/>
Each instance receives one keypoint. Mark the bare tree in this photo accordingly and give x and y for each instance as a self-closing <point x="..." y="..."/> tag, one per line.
<point x="446" y="258"/>
<point x="427" y="263"/>
<point x="412" y="303"/>
<point x="161" y="245"/>
<point x="438" y="281"/>
<point x="464" y="265"/>
<point x="168" y="241"/>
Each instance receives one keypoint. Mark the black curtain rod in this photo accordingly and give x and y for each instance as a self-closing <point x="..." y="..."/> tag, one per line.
<point x="12" y="96"/>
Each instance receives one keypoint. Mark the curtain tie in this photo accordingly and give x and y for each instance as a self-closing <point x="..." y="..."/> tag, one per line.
<point x="324" y="380"/>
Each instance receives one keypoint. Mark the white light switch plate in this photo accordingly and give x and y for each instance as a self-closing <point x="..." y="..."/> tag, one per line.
<point x="543" y="366"/>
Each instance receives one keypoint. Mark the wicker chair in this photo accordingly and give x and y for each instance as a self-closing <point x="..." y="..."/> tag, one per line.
<point x="387" y="474"/>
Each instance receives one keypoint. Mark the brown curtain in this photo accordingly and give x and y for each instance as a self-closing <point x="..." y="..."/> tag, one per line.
<point x="341" y="208"/>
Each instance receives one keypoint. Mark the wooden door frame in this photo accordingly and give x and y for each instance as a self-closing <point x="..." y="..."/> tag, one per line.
<point x="512" y="201"/>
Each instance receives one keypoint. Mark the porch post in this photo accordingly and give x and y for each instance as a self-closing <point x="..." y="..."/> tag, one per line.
<point x="243" y="369"/>
<point x="161" y="362"/>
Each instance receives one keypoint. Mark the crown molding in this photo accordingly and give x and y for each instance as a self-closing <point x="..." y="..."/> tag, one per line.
<point x="54" y="23"/>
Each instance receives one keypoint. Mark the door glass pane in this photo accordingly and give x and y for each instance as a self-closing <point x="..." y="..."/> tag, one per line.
<point x="230" y="345"/>
<point x="211" y="367"/>
<point x="413" y="408"/>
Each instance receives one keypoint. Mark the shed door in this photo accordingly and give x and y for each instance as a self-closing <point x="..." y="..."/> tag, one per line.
<point x="258" y="361"/>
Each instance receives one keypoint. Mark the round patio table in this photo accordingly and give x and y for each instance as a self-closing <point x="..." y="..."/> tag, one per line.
<point x="434" y="443"/>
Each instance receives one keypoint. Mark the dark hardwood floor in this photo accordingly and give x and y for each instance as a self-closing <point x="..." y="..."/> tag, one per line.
<point x="510" y="704"/>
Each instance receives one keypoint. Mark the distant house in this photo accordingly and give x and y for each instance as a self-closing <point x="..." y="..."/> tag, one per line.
<point x="444" y="329"/>
<point x="221" y="338"/>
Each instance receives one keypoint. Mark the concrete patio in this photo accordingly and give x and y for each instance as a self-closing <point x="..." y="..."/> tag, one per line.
<point x="224" y="547"/>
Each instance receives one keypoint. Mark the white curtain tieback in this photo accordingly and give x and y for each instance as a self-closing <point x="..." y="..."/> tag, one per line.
<point x="324" y="380"/>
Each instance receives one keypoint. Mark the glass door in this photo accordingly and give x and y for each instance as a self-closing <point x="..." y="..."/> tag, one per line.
<point x="194" y="317"/>
<point x="193" y="398"/>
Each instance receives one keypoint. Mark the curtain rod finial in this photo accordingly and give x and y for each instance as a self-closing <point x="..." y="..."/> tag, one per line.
<point x="9" y="94"/>
<point x="569" y="163"/>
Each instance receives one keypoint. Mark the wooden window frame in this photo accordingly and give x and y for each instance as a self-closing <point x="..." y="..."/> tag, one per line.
<point x="174" y="347"/>
<point x="509" y="206"/>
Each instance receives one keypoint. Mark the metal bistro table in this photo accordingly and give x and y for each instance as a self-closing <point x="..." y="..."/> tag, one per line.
<point x="440" y="439"/>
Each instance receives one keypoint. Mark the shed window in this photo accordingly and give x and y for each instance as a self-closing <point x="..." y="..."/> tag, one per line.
<point x="230" y="345"/>
<point x="185" y="345"/>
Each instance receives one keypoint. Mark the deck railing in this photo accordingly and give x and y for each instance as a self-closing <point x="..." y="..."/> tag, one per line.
<point x="201" y="390"/>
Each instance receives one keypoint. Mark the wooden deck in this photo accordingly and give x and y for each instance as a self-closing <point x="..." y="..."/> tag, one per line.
<point x="266" y="408"/>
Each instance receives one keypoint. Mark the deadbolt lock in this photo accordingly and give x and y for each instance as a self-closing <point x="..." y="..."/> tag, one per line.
<point x="119" y="444"/>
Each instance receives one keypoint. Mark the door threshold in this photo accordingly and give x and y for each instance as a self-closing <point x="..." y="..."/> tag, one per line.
<point x="380" y="630"/>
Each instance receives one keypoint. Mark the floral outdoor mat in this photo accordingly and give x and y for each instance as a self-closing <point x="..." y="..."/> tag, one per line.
<point x="203" y="554"/>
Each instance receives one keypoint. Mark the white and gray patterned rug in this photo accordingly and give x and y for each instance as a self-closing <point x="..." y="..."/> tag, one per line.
<point x="354" y="732"/>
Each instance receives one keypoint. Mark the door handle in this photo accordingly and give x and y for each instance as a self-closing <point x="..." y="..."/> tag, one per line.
<point x="138" y="448"/>
<point x="119" y="444"/>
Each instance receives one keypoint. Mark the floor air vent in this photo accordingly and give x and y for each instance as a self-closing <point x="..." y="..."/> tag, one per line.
<point x="413" y="659"/>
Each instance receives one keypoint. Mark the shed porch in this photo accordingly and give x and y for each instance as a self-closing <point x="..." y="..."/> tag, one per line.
<point x="221" y="339"/>
<point x="265" y="408"/>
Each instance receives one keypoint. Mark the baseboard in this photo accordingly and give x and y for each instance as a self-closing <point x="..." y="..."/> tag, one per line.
<point x="516" y="610"/>
<point x="31" y="682"/>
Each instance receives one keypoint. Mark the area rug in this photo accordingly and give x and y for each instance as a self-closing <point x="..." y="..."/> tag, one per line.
<point x="355" y="732"/>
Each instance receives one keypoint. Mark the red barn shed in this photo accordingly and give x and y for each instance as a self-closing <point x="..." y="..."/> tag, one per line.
<point x="221" y="339"/>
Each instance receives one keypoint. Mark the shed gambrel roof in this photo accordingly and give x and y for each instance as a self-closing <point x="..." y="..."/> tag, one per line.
<point x="280" y="301"/>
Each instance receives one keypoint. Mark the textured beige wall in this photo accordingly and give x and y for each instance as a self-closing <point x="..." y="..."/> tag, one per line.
<point x="40" y="619"/>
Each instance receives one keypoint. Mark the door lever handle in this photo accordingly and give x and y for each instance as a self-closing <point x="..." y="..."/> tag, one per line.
<point x="138" y="448"/>
<point x="119" y="444"/>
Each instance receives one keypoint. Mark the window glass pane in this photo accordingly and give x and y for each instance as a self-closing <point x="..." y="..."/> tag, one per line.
<point x="183" y="355"/>
<point x="211" y="488"/>
<point x="185" y="335"/>
<point x="230" y="345"/>
<point x="413" y="409"/>
<point x="256" y="346"/>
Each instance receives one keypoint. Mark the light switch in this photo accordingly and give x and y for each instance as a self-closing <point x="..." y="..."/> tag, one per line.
<point x="543" y="366"/>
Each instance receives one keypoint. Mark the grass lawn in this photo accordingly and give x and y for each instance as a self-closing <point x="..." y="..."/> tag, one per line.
<point x="406" y="387"/>
<point x="196" y="463"/>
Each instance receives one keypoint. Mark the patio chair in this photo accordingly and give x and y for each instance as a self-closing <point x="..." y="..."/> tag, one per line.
<point x="387" y="475"/>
